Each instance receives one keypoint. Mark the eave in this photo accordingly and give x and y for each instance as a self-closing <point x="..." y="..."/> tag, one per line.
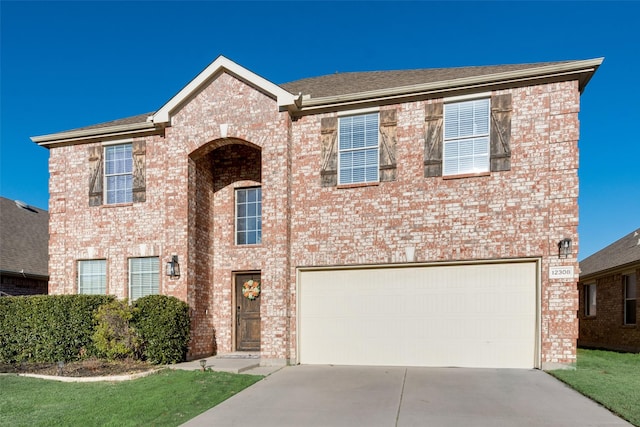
<point x="128" y="130"/>
<point x="618" y="269"/>
<point x="578" y="70"/>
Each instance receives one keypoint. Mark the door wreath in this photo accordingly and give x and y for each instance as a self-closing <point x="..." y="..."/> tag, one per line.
<point x="251" y="289"/>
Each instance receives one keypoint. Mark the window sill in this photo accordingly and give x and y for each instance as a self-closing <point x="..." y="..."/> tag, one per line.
<point x="630" y="326"/>
<point x="116" y="205"/>
<point x="248" y="246"/>
<point x="359" y="185"/>
<point x="467" y="175"/>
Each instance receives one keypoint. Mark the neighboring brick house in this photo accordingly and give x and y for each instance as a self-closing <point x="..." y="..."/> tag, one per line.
<point x="24" y="246"/>
<point x="391" y="218"/>
<point x="609" y="304"/>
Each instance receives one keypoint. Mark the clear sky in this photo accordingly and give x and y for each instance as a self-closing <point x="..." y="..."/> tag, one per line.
<point x="66" y="65"/>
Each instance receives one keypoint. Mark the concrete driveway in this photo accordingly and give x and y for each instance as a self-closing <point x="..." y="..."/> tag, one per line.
<point x="394" y="396"/>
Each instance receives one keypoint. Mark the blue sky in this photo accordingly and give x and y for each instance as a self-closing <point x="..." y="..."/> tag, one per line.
<point x="66" y="65"/>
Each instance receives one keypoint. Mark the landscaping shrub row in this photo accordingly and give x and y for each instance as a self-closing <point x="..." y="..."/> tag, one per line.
<point x="51" y="328"/>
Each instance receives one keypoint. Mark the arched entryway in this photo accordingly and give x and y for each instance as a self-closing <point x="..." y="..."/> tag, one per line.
<point x="220" y="174"/>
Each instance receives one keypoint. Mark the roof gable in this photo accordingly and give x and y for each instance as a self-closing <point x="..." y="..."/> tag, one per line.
<point x="620" y="253"/>
<point x="221" y="65"/>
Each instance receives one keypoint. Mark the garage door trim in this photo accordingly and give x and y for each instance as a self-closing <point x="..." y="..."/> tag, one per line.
<point x="537" y="261"/>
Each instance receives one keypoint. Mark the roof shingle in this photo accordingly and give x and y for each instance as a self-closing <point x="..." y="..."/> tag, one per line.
<point x="621" y="252"/>
<point x="24" y="239"/>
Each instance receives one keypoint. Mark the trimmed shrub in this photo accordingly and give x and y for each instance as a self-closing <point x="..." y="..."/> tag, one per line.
<point x="162" y="323"/>
<point x="114" y="337"/>
<point x="48" y="328"/>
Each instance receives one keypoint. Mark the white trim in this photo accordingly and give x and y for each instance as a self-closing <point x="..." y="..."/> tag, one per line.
<point x="93" y="133"/>
<point x="469" y="97"/>
<point x="580" y="70"/>
<point x="358" y="112"/>
<point x="117" y="142"/>
<point x="219" y="66"/>
<point x="370" y="111"/>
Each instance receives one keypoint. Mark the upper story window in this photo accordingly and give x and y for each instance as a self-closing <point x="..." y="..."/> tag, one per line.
<point x="118" y="173"/>
<point x="144" y="277"/>
<point x="590" y="300"/>
<point x="92" y="276"/>
<point x="358" y="148"/>
<point x="466" y="137"/>
<point x="249" y="216"/>
<point x="630" y="296"/>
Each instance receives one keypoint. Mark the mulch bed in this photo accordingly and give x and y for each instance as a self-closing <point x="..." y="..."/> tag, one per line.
<point x="84" y="368"/>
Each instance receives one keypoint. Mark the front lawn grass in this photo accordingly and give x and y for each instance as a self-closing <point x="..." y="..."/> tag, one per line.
<point x="166" y="398"/>
<point x="610" y="378"/>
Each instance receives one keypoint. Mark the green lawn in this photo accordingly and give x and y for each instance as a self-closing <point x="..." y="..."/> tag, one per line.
<point x="167" y="398"/>
<point x="610" y="378"/>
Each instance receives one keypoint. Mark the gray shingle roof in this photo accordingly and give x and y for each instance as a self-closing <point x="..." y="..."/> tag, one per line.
<point x="620" y="253"/>
<point x="356" y="82"/>
<point x="125" y="121"/>
<point x="24" y="239"/>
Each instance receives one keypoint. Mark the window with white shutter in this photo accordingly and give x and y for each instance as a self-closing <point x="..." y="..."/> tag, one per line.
<point x="358" y="158"/>
<point x="466" y="137"/>
<point x="144" y="277"/>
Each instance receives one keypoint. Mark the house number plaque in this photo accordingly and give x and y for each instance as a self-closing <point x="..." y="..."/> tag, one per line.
<point x="563" y="272"/>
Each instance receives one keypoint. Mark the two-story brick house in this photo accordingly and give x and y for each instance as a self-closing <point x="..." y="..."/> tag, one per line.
<point x="381" y="218"/>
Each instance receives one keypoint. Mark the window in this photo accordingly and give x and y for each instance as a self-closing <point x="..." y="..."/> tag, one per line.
<point x="466" y="137"/>
<point x="630" y="295"/>
<point x="249" y="216"/>
<point x="144" y="277"/>
<point x="590" y="300"/>
<point x="92" y="276"/>
<point x="358" y="147"/>
<point x="118" y="173"/>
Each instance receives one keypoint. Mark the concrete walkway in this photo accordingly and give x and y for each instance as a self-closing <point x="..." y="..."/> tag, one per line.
<point x="395" y="396"/>
<point x="237" y="363"/>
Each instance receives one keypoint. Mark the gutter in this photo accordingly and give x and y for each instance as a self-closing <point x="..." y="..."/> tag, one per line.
<point x="130" y="129"/>
<point x="545" y="72"/>
<point x="618" y="269"/>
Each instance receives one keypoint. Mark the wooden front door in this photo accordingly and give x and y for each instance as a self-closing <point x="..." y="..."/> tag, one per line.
<point x="247" y="316"/>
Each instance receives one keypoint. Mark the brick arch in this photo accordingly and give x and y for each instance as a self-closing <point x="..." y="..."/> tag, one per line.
<point x="205" y="149"/>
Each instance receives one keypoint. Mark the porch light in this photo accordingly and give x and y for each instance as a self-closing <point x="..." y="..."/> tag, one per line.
<point x="564" y="248"/>
<point x="173" y="267"/>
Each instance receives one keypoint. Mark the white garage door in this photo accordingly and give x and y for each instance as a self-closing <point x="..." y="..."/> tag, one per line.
<point x="455" y="315"/>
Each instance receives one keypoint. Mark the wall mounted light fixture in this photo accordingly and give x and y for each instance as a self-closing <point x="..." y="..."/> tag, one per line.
<point x="564" y="248"/>
<point x="173" y="267"/>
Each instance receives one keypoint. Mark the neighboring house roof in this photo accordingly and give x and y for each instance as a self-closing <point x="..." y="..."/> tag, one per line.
<point x="620" y="254"/>
<point x="341" y="90"/>
<point x="24" y="239"/>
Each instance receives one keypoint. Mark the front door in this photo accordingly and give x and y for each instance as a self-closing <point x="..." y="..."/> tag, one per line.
<point x="247" y="312"/>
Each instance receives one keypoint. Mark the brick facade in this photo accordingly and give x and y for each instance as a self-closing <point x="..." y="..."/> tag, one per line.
<point x="193" y="168"/>
<point x="606" y="329"/>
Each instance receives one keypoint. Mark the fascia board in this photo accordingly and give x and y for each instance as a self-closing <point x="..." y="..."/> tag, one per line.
<point x="548" y="71"/>
<point x="220" y="65"/>
<point x="85" y="134"/>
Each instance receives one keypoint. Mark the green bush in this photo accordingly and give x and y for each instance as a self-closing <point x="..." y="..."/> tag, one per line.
<point x="48" y="328"/>
<point x="114" y="337"/>
<point x="162" y="323"/>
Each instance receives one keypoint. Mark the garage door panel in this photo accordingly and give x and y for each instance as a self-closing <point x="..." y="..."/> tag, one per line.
<point x="473" y="315"/>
